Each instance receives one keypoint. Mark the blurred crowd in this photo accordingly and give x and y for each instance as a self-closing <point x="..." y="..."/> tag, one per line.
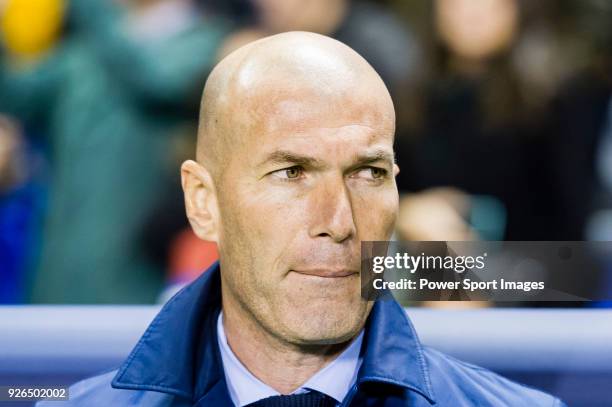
<point x="504" y="126"/>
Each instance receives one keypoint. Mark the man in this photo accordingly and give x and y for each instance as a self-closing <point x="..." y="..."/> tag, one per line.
<point x="294" y="169"/>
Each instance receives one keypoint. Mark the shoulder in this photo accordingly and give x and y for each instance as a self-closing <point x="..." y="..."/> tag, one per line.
<point x="460" y="383"/>
<point x="97" y="392"/>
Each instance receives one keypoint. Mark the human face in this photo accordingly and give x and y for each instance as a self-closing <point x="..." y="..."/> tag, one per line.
<point x="310" y="179"/>
<point x="477" y="29"/>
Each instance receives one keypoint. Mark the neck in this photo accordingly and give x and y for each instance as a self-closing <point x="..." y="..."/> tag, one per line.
<point x="470" y="67"/>
<point x="281" y="365"/>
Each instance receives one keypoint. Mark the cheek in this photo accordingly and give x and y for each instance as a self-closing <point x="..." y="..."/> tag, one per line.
<point x="277" y="214"/>
<point x="265" y="220"/>
<point x="375" y="213"/>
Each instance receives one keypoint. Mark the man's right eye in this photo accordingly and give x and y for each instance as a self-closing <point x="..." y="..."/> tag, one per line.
<point x="290" y="173"/>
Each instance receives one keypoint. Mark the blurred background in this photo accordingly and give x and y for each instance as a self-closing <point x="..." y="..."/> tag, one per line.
<point x="504" y="130"/>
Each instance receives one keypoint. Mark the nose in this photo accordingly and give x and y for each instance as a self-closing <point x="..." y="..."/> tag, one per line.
<point x="332" y="212"/>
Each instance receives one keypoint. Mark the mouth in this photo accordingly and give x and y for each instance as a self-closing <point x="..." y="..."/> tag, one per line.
<point x="327" y="273"/>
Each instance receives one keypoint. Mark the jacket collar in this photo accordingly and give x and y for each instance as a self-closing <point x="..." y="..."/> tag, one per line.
<point x="393" y="353"/>
<point x="178" y="353"/>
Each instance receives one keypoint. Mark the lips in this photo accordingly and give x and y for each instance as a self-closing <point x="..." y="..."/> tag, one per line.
<point x="327" y="272"/>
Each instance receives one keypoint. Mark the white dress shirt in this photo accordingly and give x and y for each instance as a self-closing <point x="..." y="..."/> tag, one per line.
<point x="334" y="380"/>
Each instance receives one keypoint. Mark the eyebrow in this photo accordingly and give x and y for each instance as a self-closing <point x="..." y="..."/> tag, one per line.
<point x="376" y="156"/>
<point x="289" y="157"/>
<point x="285" y="157"/>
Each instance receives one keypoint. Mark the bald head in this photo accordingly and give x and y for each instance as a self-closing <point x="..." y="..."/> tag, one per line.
<point x="283" y="78"/>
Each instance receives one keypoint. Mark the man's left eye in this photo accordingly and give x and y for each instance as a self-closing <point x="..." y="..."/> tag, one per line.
<point x="375" y="173"/>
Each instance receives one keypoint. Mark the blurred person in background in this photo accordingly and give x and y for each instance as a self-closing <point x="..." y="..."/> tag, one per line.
<point x="106" y="82"/>
<point x="21" y="201"/>
<point x="580" y="134"/>
<point x="579" y="130"/>
<point x="477" y="157"/>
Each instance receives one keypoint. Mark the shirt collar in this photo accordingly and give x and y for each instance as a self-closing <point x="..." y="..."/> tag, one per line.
<point x="179" y="354"/>
<point x="334" y="380"/>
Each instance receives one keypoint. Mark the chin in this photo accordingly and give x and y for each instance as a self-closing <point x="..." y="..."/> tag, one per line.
<point x="325" y="325"/>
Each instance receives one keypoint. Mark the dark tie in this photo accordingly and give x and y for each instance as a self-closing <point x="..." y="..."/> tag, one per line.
<point x="310" y="399"/>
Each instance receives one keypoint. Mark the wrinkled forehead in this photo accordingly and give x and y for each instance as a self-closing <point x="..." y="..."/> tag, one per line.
<point x="335" y="130"/>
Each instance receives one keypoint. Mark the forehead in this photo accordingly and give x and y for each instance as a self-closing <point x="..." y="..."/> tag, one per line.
<point x="316" y="120"/>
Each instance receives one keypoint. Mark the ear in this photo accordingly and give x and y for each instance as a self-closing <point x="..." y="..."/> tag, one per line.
<point x="200" y="200"/>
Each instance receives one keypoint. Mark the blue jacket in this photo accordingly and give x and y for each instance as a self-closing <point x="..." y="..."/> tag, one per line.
<point x="177" y="363"/>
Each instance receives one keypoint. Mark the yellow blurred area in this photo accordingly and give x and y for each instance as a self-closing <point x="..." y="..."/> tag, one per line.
<point x="30" y="27"/>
